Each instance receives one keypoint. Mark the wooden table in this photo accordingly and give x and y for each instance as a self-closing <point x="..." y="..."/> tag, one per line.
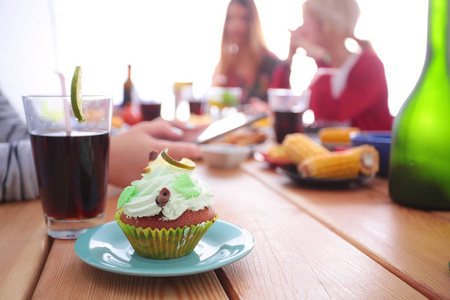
<point x="320" y="244"/>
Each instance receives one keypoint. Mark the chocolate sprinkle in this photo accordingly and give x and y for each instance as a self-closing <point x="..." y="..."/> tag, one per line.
<point x="163" y="197"/>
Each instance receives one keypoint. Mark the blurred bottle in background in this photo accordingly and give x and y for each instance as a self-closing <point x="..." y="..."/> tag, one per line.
<point x="419" y="174"/>
<point x="131" y="112"/>
<point x="127" y="89"/>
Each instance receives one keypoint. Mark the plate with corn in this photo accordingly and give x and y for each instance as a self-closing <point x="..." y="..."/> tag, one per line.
<point x="313" y="164"/>
<point x="291" y="172"/>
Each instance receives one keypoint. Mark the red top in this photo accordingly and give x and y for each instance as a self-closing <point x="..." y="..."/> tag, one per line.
<point x="363" y="101"/>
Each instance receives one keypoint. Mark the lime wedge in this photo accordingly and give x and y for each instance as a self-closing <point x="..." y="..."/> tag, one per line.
<point x="159" y="161"/>
<point x="77" y="103"/>
<point x="165" y="160"/>
<point x="185" y="163"/>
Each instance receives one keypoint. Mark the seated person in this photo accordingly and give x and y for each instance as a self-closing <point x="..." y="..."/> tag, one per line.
<point x="348" y="88"/>
<point x="245" y="60"/>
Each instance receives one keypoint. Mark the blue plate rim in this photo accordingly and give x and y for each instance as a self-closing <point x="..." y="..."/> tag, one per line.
<point x="83" y="252"/>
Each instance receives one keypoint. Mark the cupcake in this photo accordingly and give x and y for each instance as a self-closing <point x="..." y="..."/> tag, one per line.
<point x="166" y="213"/>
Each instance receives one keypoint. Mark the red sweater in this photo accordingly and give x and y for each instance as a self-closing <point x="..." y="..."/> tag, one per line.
<point x="363" y="101"/>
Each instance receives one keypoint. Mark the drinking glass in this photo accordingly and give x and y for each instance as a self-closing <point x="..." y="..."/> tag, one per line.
<point x="223" y="101"/>
<point x="196" y="106"/>
<point x="150" y="110"/>
<point x="71" y="160"/>
<point x="288" y="109"/>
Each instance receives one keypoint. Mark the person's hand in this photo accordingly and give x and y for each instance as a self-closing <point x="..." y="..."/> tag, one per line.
<point x="172" y="130"/>
<point x="190" y="130"/>
<point x="258" y="105"/>
<point x="129" y="150"/>
<point x="299" y="39"/>
<point x="295" y="41"/>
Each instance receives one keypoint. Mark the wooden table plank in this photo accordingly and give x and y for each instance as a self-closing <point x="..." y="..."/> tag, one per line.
<point x="412" y="244"/>
<point x="77" y="280"/>
<point x="24" y="246"/>
<point x="295" y="256"/>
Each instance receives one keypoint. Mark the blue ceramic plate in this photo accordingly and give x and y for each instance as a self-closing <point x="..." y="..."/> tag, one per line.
<point x="105" y="247"/>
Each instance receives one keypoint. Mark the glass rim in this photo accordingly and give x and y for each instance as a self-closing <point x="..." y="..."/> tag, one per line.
<point x="105" y="96"/>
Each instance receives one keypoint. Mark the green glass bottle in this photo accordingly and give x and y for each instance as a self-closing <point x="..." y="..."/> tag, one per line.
<point x="419" y="172"/>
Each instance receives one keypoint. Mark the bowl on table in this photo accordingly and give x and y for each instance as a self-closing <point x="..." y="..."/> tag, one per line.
<point x="381" y="140"/>
<point x="224" y="156"/>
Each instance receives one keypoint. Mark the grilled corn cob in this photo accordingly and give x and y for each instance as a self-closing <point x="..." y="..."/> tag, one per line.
<point x="299" y="146"/>
<point x="350" y="163"/>
<point x="337" y="135"/>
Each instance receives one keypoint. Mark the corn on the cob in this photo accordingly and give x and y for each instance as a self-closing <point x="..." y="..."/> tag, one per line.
<point x="341" y="164"/>
<point x="369" y="158"/>
<point x="338" y="135"/>
<point x="299" y="146"/>
<point x="277" y="152"/>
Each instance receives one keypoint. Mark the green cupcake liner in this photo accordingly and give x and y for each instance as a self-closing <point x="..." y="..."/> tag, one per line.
<point x="164" y="243"/>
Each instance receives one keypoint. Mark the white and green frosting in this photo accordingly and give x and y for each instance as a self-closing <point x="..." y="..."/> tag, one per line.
<point x="187" y="191"/>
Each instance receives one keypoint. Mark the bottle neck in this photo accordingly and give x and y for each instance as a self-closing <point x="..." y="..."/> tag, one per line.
<point x="438" y="34"/>
<point x="127" y="89"/>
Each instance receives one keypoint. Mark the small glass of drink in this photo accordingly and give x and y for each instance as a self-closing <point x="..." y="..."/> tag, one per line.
<point x="288" y="109"/>
<point x="150" y="110"/>
<point x="196" y="106"/>
<point x="71" y="160"/>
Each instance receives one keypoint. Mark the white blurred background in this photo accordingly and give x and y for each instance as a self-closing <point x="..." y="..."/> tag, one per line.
<point x="176" y="40"/>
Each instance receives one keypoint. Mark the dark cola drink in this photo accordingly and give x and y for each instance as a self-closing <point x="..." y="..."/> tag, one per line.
<point x="287" y="122"/>
<point x="150" y="111"/>
<point x="196" y="107"/>
<point x="72" y="173"/>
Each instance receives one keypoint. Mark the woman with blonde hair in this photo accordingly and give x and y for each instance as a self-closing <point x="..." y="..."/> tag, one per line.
<point x="245" y="61"/>
<point x="349" y="87"/>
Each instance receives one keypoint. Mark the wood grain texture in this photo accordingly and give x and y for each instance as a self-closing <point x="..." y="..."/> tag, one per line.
<point x="412" y="244"/>
<point x="66" y="276"/>
<point x="295" y="257"/>
<point x="24" y="246"/>
<point x="344" y="244"/>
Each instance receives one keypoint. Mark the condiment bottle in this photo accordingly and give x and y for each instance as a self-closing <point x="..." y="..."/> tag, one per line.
<point x="419" y="175"/>
<point x="127" y="89"/>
